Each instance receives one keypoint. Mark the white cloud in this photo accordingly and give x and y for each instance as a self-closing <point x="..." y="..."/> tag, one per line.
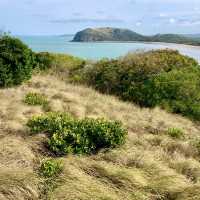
<point x="190" y="23"/>
<point x="138" y="23"/>
<point x="163" y="15"/>
<point x="172" y="20"/>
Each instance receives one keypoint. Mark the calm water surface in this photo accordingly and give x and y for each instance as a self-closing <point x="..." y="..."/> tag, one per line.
<point x="62" y="44"/>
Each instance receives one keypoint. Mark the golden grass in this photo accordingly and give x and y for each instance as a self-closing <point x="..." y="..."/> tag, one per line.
<point x="150" y="166"/>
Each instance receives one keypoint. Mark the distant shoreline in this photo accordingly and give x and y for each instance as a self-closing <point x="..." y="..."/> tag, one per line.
<point x="174" y="46"/>
<point x="144" y="42"/>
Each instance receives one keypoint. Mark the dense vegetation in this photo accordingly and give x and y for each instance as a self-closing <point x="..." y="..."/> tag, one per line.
<point x="157" y="78"/>
<point x="16" y="61"/>
<point x="69" y="135"/>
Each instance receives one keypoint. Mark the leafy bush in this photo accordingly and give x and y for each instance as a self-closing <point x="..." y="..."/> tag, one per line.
<point x="16" y="61"/>
<point x="69" y="135"/>
<point x="157" y="78"/>
<point x="175" y="133"/>
<point x="44" y="60"/>
<point x="177" y="91"/>
<point x="117" y="76"/>
<point x="51" y="168"/>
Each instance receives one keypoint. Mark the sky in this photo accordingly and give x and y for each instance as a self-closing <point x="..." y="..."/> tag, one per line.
<point x="54" y="17"/>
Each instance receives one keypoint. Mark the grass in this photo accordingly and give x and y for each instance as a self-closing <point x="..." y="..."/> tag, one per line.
<point x="35" y="99"/>
<point x="150" y="166"/>
<point x="175" y="133"/>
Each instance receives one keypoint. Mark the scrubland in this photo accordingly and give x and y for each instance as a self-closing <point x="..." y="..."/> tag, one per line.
<point x="160" y="158"/>
<point x="151" y="165"/>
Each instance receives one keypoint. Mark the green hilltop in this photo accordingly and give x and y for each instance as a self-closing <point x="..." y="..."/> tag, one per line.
<point x="117" y="34"/>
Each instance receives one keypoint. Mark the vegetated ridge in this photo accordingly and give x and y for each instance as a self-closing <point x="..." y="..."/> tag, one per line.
<point x="117" y="34"/>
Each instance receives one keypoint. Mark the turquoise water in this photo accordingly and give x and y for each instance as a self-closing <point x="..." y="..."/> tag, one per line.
<point x="62" y="44"/>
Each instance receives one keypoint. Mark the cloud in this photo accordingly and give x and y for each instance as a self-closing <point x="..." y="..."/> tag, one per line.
<point x="100" y="12"/>
<point x="172" y="20"/>
<point x="77" y="14"/>
<point x="138" y="23"/>
<point x="195" y="22"/>
<point x="86" y="20"/>
<point x="163" y="15"/>
<point x="132" y="1"/>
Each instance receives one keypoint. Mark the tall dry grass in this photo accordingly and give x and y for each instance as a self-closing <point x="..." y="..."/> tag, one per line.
<point x="150" y="166"/>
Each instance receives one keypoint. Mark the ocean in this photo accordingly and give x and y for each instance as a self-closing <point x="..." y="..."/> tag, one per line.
<point x="98" y="50"/>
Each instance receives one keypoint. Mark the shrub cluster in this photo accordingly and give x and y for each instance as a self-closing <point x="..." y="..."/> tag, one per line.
<point x="157" y="78"/>
<point x="177" y="91"/>
<point x="44" y="60"/>
<point x="16" y="61"/>
<point x="50" y="168"/>
<point x="69" y="135"/>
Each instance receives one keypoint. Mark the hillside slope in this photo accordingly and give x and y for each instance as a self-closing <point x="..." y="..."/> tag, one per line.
<point x="117" y="34"/>
<point x="150" y="166"/>
<point x="107" y="34"/>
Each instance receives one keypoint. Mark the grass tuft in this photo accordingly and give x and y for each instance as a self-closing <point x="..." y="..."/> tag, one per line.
<point x="175" y="133"/>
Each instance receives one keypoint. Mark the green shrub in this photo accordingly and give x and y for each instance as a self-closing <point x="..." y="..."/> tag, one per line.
<point x="51" y="168"/>
<point x="177" y="91"/>
<point x="118" y="75"/>
<point x="175" y="133"/>
<point x="157" y="78"/>
<point x="16" y="61"/>
<point x="69" y="135"/>
<point x="44" y="60"/>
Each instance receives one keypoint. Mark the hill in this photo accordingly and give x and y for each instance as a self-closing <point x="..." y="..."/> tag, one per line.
<point x="160" y="159"/>
<point x="174" y="38"/>
<point x="117" y="34"/>
<point x="107" y="34"/>
<point x="62" y="140"/>
<point x="193" y="35"/>
<point x="151" y="165"/>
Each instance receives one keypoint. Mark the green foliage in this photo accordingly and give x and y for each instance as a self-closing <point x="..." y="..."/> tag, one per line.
<point x="157" y="78"/>
<point x="69" y="135"/>
<point x="177" y="91"/>
<point x="44" y="60"/>
<point x="16" y="61"/>
<point x="51" y="168"/>
<point x="34" y="99"/>
<point x="175" y="133"/>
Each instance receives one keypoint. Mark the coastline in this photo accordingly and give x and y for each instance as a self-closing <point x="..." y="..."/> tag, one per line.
<point x="164" y="45"/>
<point x="144" y="42"/>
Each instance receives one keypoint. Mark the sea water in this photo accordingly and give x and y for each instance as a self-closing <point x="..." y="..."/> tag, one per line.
<point x="98" y="50"/>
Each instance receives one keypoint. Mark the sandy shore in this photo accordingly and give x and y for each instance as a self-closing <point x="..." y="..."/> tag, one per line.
<point x="160" y="43"/>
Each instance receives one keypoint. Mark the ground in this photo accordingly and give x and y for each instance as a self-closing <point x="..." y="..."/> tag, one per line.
<point x="150" y="166"/>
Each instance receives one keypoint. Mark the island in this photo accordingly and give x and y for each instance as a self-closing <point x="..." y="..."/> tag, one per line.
<point x="126" y="35"/>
